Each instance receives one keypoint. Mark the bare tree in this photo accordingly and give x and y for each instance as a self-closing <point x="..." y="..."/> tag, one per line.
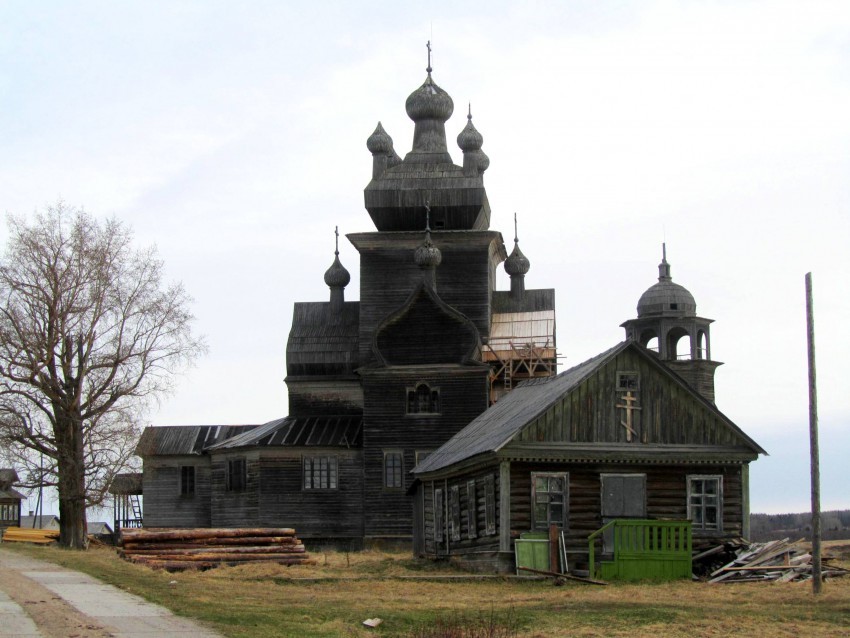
<point x="89" y="335"/>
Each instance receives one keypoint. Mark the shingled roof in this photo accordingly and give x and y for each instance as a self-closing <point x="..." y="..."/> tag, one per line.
<point x="180" y="440"/>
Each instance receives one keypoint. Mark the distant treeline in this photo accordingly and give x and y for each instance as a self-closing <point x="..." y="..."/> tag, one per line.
<point x="834" y="525"/>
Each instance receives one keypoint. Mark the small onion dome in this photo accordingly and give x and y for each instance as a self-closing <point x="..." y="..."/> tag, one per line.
<point x="379" y="141"/>
<point x="665" y="297"/>
<point x="337" y="276"/>
<point x="427" y="255"/>
<point x="517" y="263"/>
<point x="429" y="102"/>
<point x="469" y="138"/>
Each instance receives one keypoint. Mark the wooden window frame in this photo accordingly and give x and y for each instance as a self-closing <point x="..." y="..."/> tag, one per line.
<point x="237" y="475"/>
<point x="187" y="480"/>
<point x="623" y="386"/>
<point x="315" y="477"/>
<point x="417" y="405"/>
<point x="438" y="515"/>
<point x="490" y="505"/>
<point x="393" y="476"/>
<point x="565" y="500"/>
<point x="701" y="506"/>
<point x="471" y="510"/>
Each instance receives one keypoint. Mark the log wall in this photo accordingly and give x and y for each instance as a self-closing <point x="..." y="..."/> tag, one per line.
<point x="163" y="505"/>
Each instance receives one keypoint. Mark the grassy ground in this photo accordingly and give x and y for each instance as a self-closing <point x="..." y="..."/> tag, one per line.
<point x="335" y="596"/>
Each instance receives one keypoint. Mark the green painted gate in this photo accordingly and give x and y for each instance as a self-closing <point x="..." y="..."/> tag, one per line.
<point x="645" y="550"/>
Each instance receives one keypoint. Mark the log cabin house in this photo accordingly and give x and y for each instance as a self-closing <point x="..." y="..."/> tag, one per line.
<point x="436" y="391"/>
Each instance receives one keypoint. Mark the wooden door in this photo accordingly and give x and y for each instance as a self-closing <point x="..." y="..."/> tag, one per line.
<point x="623" y="496"/>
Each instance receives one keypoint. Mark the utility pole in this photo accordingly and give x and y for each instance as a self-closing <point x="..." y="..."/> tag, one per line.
<point x="813" y="441"/>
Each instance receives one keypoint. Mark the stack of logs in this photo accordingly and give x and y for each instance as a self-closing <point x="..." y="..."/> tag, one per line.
<point x="28" y="535"/>
<point x="179" y="549"/>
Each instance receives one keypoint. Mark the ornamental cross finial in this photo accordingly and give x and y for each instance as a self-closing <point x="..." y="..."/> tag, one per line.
<point x="427" y="216"/>
<point x="428" y="45"/>
<point x="516" y="235"/>
<point x="336" y="241"/>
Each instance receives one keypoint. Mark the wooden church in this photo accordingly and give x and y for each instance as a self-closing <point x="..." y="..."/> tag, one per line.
<point x="430" y="411"/>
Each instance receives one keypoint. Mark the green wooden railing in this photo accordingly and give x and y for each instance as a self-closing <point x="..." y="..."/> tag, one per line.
<point x="659" y="550"/>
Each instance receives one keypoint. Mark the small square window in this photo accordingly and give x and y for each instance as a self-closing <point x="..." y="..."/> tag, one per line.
<point x="320" y="472"/>
<point x="628" y="381"/>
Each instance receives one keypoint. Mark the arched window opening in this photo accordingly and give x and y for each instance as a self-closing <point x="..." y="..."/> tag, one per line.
<point x="423" y="399"/>
<point x="702" y="345"/>
<point x="674" y="344"/>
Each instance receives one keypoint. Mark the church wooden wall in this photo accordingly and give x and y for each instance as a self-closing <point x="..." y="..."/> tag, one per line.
<point x="331" y="513"/>
<point x="163" y="505"/>
<point x="463" y="395"/>
<point x="388" y="276"/>
<point x="236" y="508"/>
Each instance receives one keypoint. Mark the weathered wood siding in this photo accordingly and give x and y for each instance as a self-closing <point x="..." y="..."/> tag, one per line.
<point x="668" y="413"/>
<point x="388" y="274"/>
<point x="310" y="396"/>
<point x="330" y="513"/>
<point x="235" y="508"/>
<point x="666" y="495"/>
<point x="163" y="505"/>
<point x="478" y="541"/>
<point x="388" y="427"/>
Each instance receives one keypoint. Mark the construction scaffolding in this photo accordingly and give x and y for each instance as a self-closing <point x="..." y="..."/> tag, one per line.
<point x="521" y="346"/>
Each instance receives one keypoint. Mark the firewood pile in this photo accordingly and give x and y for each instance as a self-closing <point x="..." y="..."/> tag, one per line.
<point x="179" y="549"/>
<point x="779" y="561"/>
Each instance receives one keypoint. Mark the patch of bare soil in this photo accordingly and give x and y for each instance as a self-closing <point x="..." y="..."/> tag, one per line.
<point x="54" y="617"/>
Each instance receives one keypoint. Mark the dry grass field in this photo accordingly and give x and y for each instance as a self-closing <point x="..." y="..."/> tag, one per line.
<point x="424" y="600"/>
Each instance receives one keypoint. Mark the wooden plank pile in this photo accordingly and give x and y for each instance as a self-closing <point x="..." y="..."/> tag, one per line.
<point x="28" y="535"/>
<point x="780" y="561"/>
<point x="179" y="549"/>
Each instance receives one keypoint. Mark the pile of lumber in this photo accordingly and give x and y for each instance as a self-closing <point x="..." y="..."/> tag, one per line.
<point x="27" y="535"/>
<point x="779" y="561"/>
<point x="178" y="549"/>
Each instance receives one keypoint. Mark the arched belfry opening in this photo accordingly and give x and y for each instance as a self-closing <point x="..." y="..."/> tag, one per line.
<point x="667" y="324"/>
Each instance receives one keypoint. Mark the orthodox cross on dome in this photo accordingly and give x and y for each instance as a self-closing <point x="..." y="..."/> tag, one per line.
<point x="428" y="45"/>
<point x="630" y="424"/>
<point x="427" y="216"/>
<point x="516" y="234"/>
<point x="336" y="240"/>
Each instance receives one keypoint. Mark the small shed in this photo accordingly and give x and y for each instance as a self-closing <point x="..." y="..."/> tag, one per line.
<point x="126" y="491"/>
<point x="10" y="500"/>
<point x="41" y="521"/>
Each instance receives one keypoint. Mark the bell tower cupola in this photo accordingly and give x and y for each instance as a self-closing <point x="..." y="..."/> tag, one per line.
<point x="667" y="323"/>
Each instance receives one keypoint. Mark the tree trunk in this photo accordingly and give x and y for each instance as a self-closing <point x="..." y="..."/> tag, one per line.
<point x="72" y="484"/>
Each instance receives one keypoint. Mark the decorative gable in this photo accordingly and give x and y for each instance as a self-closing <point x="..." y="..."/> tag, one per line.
<point x="632" y="399"/>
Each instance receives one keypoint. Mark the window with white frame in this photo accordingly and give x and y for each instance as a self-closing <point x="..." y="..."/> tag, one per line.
<point x="705" y="502"/>
<point x="549" y="497"/>
<point x="320" y="473"/>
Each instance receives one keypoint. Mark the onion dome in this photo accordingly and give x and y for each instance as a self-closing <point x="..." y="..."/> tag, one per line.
<point x="666" y="297"/>
<point x="337" y="276"/>
<point x="380" y="141"/>
<point x="429" y="102"/>
<point x="427" y="256"/>
<point x="517" y="263"/>
<point x="469" y="138"/>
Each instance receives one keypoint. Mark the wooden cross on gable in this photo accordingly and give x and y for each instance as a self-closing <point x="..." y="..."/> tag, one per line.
<point x="630" y="423"/>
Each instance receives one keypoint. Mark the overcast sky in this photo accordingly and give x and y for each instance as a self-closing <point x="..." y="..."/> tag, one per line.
<point x="233" y="136"/>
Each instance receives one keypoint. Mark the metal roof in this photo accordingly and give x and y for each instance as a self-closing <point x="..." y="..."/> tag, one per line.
<point x="181" y="440"/>
<point x="311" y="431"/>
